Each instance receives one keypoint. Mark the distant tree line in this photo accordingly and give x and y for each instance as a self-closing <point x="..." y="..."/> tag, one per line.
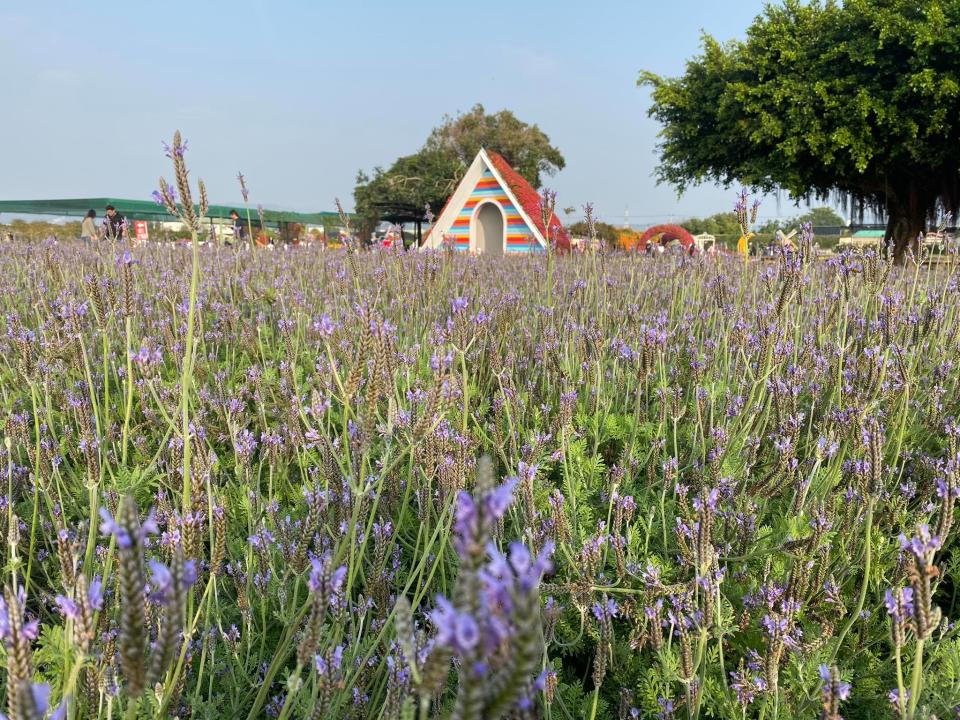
<point x="606" y="233"/>
<point x="725" y="223"/>
<point x="40" y="230"/>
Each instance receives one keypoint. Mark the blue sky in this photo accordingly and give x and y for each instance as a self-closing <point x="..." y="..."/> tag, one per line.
<point x="301" y="95"/>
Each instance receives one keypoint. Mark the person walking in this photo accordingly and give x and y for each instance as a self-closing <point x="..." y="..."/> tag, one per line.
<point x="88" y="230"/>
<point x="114" y="224"/>
<point x="239" y="229"/>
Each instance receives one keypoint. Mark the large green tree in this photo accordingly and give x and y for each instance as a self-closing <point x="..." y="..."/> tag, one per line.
<point x="402" y="191"/>
<point x="859" y="100"/>
<point x="526" y="147"/>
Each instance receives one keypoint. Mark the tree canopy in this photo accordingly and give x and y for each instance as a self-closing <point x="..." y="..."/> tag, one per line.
<point x="404" y="192"/>
<point x="723" y="223"/>
<point x="427" y="177"/>
<point x="526" y="147"/>
<point x="608" y="234"/>
<point x="818" y="217"/>
<point x="859" y="100"/>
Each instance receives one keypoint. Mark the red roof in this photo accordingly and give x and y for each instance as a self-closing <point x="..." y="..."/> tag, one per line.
<point x="528" y="198"/>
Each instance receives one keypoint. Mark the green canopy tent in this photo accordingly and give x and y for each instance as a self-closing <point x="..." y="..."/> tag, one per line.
<point x="153" y="212"/>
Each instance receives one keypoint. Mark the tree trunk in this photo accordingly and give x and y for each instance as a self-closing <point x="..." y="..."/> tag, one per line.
<point x="903" y="233"/>
<point x="906" y="222"/>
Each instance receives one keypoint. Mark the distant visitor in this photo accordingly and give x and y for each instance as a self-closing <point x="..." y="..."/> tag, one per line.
<point x="113" y="224"/>
<point x="239" y="229"/>
<point x="88" y="230"/>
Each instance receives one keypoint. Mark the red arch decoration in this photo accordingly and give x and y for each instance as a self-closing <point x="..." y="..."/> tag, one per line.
<point x="666" y="233"/>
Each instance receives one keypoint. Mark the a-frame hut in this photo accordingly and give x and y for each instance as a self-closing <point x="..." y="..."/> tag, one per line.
<point x="494" y="210"/>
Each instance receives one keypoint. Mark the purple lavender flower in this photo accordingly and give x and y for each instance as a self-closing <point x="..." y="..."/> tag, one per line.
<point x="243" y="186"/>
<point x="653" y="611"/>
<point x="500" y="499"/>
<point x="67" y="607"/>
<point x="943" y="489"/>
<point x="323" y="582"/>
<point x="70" y="610"/>
<point x="783" y="444"/>
<point x="328" y="668"/>
<point x="605" y="611"/>
<point x="667" y="709"/>
<point x="456" y="630"/>
<point x="708" y="502"/>
<point x="899" y="603"/>
<point x="245" y="445"/>
<point x="162" y="581"/>
<point x="826" y="676"/>
<point x="827" y="447"/>
<point x="747" y="685"/>
<point x="178" y="151"/>
<point x="325" y="327"/>
<point x="40" y="700"/>
<point x="516" y="569"/>
<point x="923" y="545"/>
<point x="467" y="519"/>
<point x="109" y="526"/>
<point x="834" y="691"/>
<point x="893" y="697"/>
<point x="651" y="576"/>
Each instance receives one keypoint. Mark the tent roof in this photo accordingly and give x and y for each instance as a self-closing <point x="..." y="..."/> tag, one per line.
<point x="150" y="210"/>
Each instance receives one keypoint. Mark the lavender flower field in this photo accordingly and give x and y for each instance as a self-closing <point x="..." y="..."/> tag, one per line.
<point x="418" y="485"/>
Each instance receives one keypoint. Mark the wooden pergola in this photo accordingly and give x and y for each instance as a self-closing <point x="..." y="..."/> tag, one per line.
<point x="401" y="213"/>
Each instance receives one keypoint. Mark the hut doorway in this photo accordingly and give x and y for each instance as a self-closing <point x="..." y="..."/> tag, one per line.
<point x="489" y="229"/>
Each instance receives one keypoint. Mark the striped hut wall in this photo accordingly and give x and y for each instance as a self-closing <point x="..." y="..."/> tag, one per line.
<point x="519" y="237"/>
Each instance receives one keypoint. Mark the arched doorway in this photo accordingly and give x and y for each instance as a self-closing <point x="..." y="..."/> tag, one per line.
<point x="489" y="229"/>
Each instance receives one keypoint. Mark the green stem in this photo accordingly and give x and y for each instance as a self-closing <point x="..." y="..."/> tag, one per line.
<point x="106" y="382"/>
<point x="129" y="403"/>
<point x="916" y="684"/>
<point x="466" y="391"/>
<point x="186" y="374"/>
<point x="868" y="554"/>
<point x="900" y="686"/>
